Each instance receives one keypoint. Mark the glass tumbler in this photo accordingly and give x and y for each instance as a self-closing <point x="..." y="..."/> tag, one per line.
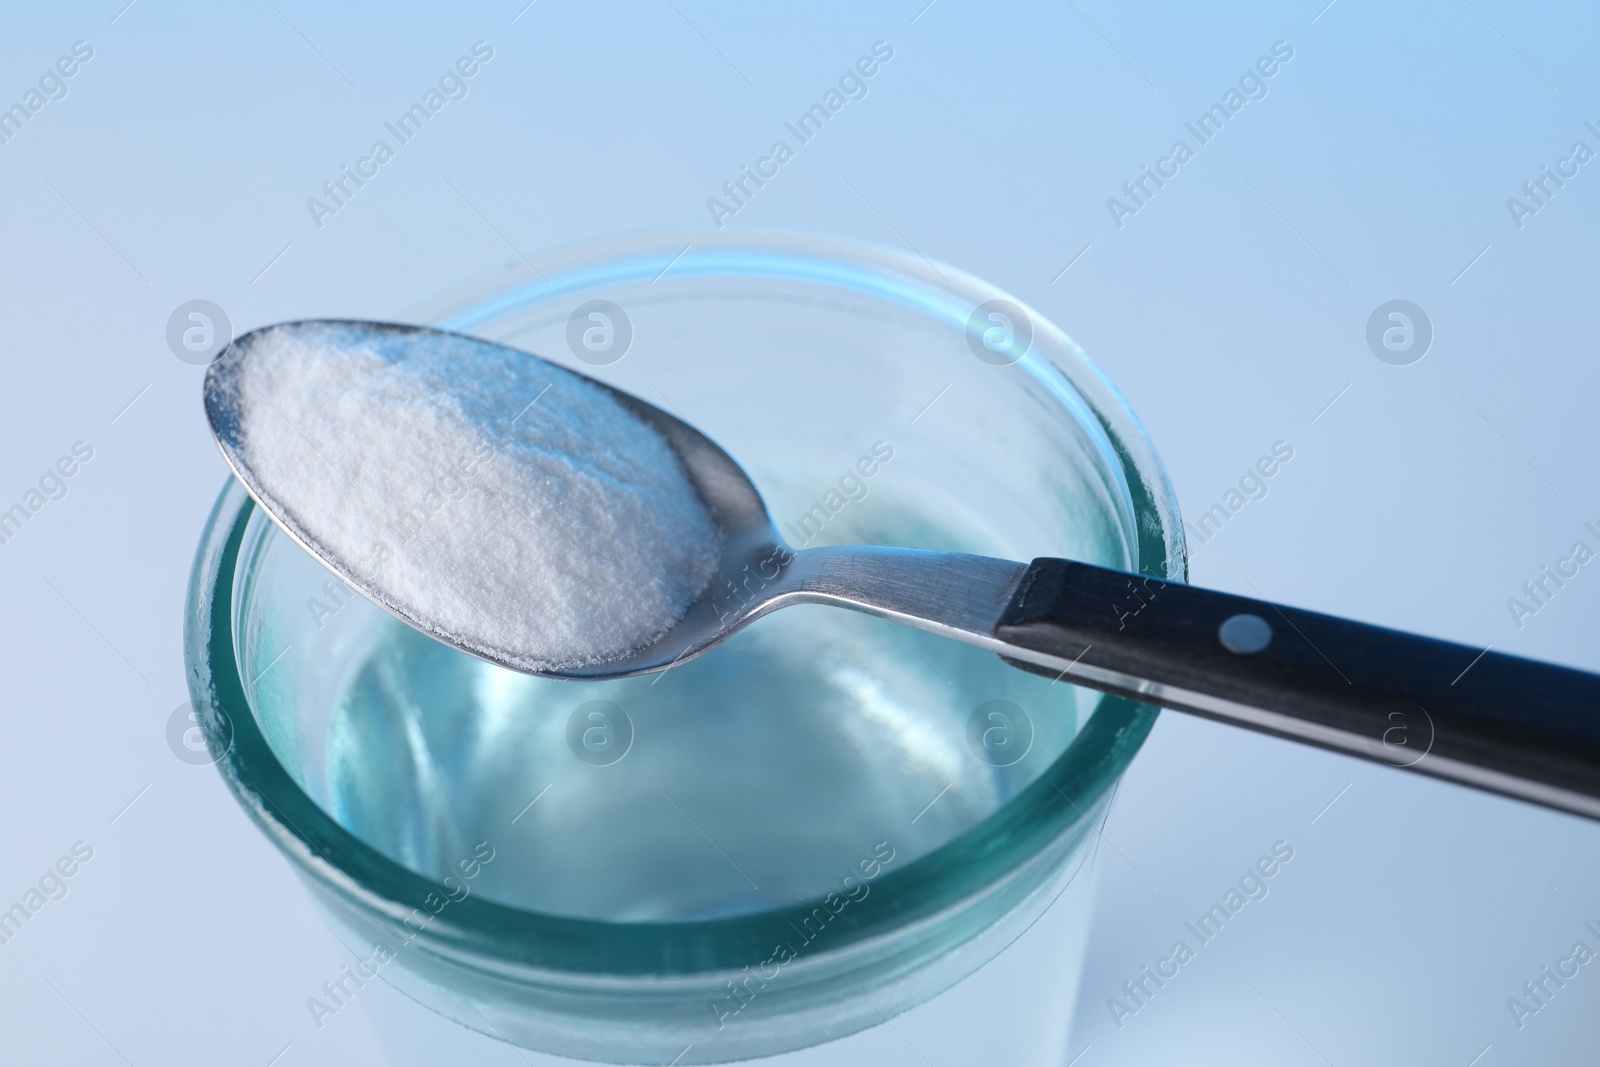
<point x="823" y="823"/>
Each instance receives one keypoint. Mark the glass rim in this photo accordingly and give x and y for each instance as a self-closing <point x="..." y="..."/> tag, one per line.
<point x="1056" y="803"/>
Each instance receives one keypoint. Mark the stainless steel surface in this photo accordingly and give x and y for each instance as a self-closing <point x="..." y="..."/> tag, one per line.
<point x="946" y="593"/>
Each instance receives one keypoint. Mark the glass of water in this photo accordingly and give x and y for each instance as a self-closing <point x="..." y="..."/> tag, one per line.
<point x="825" y="822"/>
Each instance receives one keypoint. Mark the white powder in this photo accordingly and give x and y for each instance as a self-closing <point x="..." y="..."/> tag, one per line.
<point x="552" y="535"/>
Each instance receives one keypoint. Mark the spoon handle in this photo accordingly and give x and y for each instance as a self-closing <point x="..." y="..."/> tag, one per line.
<point x="1514" y="726"/>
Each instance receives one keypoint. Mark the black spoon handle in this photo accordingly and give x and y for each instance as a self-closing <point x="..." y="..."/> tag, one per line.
<point x="1514" y="726"/>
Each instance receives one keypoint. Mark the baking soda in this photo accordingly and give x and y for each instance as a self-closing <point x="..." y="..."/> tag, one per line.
<point x="493" y="499"/>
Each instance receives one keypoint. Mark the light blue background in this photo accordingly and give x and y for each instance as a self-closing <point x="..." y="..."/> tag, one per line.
<point x="1230" y="311"/>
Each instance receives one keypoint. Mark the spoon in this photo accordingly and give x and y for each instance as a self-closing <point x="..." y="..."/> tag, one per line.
<point x="1514" y="726"/>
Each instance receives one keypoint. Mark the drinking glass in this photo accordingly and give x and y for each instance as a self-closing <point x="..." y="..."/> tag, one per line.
<point x="824" y="822"/>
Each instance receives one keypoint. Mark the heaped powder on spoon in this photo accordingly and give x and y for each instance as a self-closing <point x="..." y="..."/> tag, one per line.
<point x="518" y="508"/>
